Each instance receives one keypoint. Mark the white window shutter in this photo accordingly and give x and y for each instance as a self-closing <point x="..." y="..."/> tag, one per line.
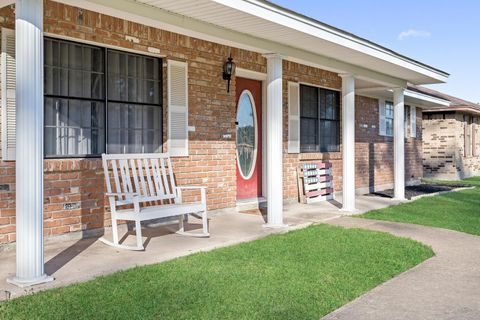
<point x="382" y="125"/>
<point x="293" y="117"/>
<point x="177" y="108"/>
<point x="8" y="84"/>
<point x="413" y="122"/>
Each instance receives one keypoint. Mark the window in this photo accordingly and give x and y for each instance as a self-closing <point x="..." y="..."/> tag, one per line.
<point x="83" y="118"/>
<point x="74" y="99"/>
<point x="389" y="118"/>
<point x="319" y="120"/>
<point x="386" y="119"/>
<point x="134" y="116"/>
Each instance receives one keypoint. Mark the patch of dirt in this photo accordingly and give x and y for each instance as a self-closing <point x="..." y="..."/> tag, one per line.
<point x="413" y="191"/>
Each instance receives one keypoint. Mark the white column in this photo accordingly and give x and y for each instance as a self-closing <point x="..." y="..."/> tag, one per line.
<point x="399" y="142"/>
<point x="29" y="157"/>
<point x="274" y="141"/>
<point x="348" y="142"/>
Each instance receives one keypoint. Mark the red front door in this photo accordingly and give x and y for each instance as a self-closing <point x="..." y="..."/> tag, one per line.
<point x="249" y="138"/>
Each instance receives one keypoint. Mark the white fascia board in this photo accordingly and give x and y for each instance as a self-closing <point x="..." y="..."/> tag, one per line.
<point x="427" y="98"/>
<point x="297" y="22"/>
<point x="249" y="74"/>
<point x="166" y="20"/>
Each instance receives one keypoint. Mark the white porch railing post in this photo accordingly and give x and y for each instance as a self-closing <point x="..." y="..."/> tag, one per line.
<point x="399" y="142"/>
<point x="29" y="157"/>
<point x="348" y="142"/>
<point x="274" y="141"/>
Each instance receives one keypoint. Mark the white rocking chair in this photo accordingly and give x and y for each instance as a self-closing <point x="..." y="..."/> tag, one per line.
<point x="139" y="181"/>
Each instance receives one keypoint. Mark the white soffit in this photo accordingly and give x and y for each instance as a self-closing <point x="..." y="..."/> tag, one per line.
<point x="265" y="20"/>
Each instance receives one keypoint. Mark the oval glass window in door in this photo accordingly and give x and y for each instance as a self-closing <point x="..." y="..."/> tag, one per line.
<point x="246" y="135"/>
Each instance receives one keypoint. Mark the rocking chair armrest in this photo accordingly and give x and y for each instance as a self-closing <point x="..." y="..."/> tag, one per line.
<point x="132" y="195"/>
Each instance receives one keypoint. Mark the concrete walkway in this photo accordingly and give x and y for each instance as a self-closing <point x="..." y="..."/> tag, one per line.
<point x="446" y="286"/>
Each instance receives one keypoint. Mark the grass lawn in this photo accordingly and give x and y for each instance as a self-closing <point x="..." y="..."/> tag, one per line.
<point x="458" y="211"/>
<point x="303" y="274"/>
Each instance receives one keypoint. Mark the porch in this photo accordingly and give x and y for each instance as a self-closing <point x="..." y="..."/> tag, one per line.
<point x="82" y="260"/>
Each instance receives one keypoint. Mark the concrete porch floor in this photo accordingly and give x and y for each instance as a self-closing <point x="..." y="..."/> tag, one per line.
<point x="76" y="261"/>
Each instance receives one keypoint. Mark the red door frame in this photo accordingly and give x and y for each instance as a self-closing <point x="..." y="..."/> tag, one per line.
<point x="251" y="188"/>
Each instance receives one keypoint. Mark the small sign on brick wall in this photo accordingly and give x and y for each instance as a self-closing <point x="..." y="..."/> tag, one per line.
<point x="71" y="206"/>
<point x="4" y="187"/>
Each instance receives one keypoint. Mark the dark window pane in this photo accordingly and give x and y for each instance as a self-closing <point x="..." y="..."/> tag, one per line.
<point x="308" y="101"/>
<point x="330" y="136"/>
<point x="74" y="127"/>
<point x="75" y="57"/>
<point x="73" y="70"/>
<point x="133" y="78"/>
<point x="134" y="128"/>
<point x="309" y="135"/>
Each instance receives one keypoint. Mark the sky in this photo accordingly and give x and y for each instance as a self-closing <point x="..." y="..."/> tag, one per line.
<point x="444" y="34"/>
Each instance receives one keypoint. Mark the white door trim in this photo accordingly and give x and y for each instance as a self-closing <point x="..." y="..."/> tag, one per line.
<point x="250" y="74"/>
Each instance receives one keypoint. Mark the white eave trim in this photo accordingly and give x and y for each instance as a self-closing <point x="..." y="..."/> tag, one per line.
<point x="302" y="24"/>
<point x="427" y="98"/>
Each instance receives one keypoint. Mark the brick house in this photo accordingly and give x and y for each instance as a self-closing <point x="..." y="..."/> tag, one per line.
<point x="451" y="148"/>
<point x="82" y="78"/>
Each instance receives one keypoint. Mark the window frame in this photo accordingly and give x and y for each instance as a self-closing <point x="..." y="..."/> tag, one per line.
<point x="387" y="105"/>
<point x="106" y="100"/>
<point x="319" y="119"/>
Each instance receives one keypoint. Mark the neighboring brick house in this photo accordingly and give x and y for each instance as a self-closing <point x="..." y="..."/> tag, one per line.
<point x="130" y="77"/>
<point x="451" y="144"/>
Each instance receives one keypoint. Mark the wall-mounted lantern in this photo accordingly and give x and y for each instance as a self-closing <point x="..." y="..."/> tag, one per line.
<point x="228" y="71"/>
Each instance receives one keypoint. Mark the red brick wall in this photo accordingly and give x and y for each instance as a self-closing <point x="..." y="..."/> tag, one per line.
<point x="79" y="184"/>
<point x="211" y="111"/>
<point x="374" y="153"/>
<point x="444" y="147"/>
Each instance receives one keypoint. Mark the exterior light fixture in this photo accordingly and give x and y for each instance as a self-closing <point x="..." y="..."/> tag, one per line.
<point x="228" y="71"/>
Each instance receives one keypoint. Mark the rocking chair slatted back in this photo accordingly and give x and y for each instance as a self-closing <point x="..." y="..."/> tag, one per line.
<point x="149" y="176"/>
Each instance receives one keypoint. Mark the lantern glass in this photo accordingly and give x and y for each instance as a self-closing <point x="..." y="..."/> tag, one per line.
<point x="229" y="67"/>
